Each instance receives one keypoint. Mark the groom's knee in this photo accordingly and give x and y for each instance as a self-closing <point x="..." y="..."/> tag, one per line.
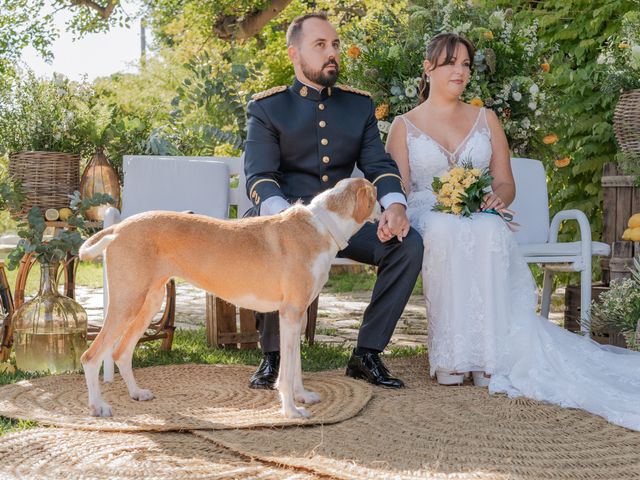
<point x="412" y="248"/>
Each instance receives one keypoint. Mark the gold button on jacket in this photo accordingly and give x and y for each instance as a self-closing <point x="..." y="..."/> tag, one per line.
<point x="325" y="178"/>
<point x="324" y="141"/>
<point x="325" y="159"/>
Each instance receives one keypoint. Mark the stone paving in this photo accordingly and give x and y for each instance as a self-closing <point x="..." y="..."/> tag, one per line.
<point x="339" y="314"/>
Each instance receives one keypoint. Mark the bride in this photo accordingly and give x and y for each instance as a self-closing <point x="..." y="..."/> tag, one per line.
<point x="480" y="294"/>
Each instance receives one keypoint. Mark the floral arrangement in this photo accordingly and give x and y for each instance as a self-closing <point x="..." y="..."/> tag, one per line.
<point x="618" y="308"/>
<point x="460" y="191"/>
<point x="508" y="72"/>
<point x="620" y="57"/>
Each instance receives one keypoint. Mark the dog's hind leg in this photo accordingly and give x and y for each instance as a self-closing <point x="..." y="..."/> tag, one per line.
<point x="91" y="360"/>
<point x="123" y="352"/>
<point x="290" y="328"/>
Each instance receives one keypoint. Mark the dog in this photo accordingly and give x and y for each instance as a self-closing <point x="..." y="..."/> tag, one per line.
<point x="232" y="259"/>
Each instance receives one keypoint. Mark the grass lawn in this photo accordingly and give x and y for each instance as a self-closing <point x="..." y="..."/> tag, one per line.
<point x="189" y="346"/>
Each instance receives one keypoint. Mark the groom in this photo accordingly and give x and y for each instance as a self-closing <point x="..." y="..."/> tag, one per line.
<point x="303" y="139"/>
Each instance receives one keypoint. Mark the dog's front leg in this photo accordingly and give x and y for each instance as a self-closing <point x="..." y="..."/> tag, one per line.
<point x="290" y="324"/>
<point x="299" y="393"/>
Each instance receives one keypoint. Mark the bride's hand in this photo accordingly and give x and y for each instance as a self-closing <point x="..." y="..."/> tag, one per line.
<point x="491" y="200"/>
<point x="393" y="223"/>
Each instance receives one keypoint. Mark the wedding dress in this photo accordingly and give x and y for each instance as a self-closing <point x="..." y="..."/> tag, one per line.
<point x="481" y="301"/>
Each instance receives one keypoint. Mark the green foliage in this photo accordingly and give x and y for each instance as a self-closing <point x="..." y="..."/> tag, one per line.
<point x="577" y="30"/>
<point x="51" y="115"/>
<point x="388" y="50"/>
<point x="620" y="57"/>
<point x="66" y="241"/>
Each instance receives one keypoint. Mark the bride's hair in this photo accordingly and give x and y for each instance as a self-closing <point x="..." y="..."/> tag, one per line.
<point x="449" y="43"/>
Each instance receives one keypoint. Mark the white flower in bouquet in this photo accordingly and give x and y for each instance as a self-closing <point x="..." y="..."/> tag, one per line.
<point x="526" y="124"/>
<point x="532" y="105"/>
<point x="534" y="89"/>
<point x="416" y="81"/>
<point x="517" y="96"/>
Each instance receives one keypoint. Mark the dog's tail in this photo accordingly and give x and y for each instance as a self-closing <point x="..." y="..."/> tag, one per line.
<point x="97" y="243"/>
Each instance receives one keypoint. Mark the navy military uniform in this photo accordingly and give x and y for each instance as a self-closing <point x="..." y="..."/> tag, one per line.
<point x="300" y="142"/>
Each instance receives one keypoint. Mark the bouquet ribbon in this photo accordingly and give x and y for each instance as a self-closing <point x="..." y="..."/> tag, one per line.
<point x="507" y="216"/>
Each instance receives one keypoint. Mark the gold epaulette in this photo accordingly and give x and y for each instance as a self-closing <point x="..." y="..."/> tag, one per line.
<point x="268" y="93"/>
<point x="346" y="88"/>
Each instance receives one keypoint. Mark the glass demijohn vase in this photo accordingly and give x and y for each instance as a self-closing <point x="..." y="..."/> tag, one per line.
<point x="50" y="330"/>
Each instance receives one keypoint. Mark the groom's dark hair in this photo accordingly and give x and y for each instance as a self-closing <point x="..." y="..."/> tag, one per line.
<point x="443" y="41"/>
<point x="294" y="31"/>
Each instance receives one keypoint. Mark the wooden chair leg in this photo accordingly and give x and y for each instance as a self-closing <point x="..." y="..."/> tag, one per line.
<point x="169" y="316"/>
<point x="6" y="333"/>
<point x="312" y="316"/>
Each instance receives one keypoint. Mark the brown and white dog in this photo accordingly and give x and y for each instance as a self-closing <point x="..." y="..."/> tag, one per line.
<point x="274" y="263"/>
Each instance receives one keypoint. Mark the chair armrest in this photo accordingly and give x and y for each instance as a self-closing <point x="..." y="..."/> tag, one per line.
<point x="583" y="223"/>
<point x="111" y="217"/>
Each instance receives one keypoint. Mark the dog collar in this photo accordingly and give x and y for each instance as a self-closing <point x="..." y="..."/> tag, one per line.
<point x="337" y="234"/>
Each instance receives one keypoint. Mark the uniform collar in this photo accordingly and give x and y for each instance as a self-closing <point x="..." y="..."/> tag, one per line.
<point x="309" y="92"/>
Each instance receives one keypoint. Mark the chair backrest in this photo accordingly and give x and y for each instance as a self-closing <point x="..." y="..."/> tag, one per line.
<point x="153" y="182"/>
<point x="532" y="202"/>
<point x="237" y="191"/>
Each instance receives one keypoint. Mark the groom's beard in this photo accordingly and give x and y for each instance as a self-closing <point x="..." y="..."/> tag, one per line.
<point x="327" y="79"/>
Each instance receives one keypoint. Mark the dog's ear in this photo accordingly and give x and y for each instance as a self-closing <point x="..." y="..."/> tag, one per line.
<point x="365" y="200"/>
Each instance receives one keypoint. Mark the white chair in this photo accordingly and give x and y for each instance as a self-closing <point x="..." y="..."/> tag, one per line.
<point x="198" y="184"/>
<point x="539" y="241"/>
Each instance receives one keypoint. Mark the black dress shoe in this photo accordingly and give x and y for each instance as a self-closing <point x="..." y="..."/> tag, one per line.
<point x="370" y="367"/>
<point x="267" y="373"/>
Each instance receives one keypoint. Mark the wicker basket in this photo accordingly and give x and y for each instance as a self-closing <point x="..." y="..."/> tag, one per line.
<point x="626" y="122"/>
<point x="47" y="178"/>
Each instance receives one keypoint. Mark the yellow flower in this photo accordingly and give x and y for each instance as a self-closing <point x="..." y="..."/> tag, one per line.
<point x="446" y="189"/>
<point x="623" y="45"/>
<point x="445" y="177"/>
<point x="476" y="172"/>
<point x="456" y="173"/>
<point x="476" y="102"/>
<point x="562" y="162"/>
<point x="488" y="35"/>
<point x="456" y="209"/>
<point x="550" y="139"/>
<point x="545" y="67"/>
<point x="382" y="111"/>
<point x="467" y="182"/>
<point x="353" y="51"/>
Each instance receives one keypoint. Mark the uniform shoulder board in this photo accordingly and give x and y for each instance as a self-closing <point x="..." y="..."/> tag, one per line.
<point x="268" y="93"/>
<point x="346" y="88"/>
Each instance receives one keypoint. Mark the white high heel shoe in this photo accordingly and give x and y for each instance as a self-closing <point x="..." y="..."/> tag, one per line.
<point x="449" y="378"/>
<point x="481" y="379"/>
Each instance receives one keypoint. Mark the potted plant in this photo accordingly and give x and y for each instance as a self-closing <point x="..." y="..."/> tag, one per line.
<point x="618" y="309"/>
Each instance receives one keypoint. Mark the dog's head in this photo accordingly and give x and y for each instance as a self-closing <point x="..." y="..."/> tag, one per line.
<point x="355" y="197"/>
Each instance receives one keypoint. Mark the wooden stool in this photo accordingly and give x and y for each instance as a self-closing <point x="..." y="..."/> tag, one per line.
<point x="229" y="326"/>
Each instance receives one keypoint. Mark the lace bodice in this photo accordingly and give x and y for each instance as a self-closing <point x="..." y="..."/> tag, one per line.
<point x="428" y="159"/>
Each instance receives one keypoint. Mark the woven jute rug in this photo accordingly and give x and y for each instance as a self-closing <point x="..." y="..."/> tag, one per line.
<point x="186" y="397"/>
<point x="433" y="431"/>
<point x="56" y="453"/>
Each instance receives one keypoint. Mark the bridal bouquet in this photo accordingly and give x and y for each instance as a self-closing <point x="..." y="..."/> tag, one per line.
<point x="460" y="190"/>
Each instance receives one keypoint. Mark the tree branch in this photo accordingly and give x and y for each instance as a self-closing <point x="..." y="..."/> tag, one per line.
<point x="105" y="12"/>
<point x="229" y="27"/>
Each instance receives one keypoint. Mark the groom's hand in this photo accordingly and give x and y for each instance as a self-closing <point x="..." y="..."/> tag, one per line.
<point x="393" y="223"/>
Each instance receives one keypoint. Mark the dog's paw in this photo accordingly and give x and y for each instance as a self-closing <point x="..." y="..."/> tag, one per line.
<point x="307" y="397"/>
<point x="296" y="412"/>
<point x="142" y="395"/>
<point x="100" y="410"/>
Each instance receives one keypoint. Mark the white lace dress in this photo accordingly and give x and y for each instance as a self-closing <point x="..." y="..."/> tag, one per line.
<point x="481" y="301"/>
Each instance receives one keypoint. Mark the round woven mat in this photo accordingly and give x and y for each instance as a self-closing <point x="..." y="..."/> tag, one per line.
<point x="186" y="397"/>
<point x="433" y="431"/>
<point x="53" y="453"/>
